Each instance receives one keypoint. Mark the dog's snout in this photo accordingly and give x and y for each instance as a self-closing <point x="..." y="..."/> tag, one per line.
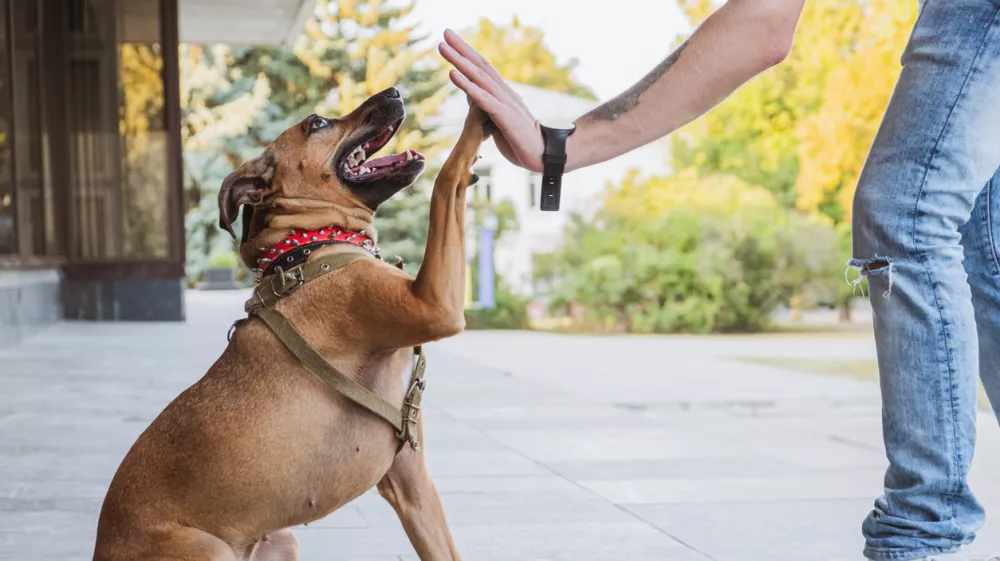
<point x="391" y="93"/>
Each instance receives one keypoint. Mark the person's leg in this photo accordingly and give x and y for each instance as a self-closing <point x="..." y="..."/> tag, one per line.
<point x="938" y="144"/>
<point x="981" y="240"/>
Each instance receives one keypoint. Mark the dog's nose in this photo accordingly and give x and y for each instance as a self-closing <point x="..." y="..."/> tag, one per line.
<point x="391" y="93"/>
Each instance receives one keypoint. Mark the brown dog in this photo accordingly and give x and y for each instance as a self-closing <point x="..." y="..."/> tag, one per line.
<point x="260" y="444"/>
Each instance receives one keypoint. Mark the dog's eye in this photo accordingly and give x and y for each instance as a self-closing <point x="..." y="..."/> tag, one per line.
<point x="318" y="123"/>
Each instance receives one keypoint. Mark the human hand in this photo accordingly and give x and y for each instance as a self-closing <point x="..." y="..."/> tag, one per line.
<point x="519" y="137"/>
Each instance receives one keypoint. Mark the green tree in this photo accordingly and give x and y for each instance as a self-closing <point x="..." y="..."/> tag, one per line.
<point x="237" y="99"/>
<point x="780" y="157"/>
<point x="520" y="54"/>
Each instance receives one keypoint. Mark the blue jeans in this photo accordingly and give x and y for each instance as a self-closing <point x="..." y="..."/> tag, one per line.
<point x="927" y="235"/>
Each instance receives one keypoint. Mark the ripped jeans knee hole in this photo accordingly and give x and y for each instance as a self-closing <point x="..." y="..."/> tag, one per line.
<point x="873" y="267"/>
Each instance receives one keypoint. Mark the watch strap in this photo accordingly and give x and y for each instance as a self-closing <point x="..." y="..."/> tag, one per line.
<point x="553" y="166"/>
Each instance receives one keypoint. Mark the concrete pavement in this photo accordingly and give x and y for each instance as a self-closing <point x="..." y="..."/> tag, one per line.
<point x="544" y="447"/>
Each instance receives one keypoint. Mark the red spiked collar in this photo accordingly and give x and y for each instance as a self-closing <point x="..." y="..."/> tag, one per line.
<point x="295" y="249"/>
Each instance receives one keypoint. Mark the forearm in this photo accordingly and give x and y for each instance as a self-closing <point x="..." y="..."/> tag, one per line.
<point x="737" y="42"/>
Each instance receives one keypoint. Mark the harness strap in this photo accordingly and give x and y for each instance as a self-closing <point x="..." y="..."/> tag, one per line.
<point x="318" y="365"/>
<point x="275" y="287"/>
<point x="283" y="283"/>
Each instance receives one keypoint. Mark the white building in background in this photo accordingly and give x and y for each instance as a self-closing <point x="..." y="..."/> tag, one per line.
<point x="582" y="190"/>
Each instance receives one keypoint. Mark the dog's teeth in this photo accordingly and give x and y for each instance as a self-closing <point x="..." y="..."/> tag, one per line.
<point x="409" y="155"/>
<point x="365" y="170"/>
<point x="359" y="153"/>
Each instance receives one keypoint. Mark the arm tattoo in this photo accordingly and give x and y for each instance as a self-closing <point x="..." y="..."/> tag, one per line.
<point x="630" y="98"/>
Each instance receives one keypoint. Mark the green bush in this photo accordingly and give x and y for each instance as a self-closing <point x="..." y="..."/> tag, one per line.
<point x="510" y="312"/>
<point x="687" y="266"/>
<point x="224" y="260"/>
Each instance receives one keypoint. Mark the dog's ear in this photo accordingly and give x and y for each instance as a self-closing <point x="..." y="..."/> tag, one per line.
<point x="245" y="186"/>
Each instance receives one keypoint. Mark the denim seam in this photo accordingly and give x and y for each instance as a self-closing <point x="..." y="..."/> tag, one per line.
<point x="893" y="554"/>
<point x="885" y="554"/>
<point x="989" y="226"/>
<point x="948" y="347"/>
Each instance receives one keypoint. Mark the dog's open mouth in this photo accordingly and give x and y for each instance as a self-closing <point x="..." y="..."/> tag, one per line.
<point x="357" y="167"/>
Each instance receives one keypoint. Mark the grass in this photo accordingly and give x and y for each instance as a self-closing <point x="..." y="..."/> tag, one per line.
<point x="866" y="370"/>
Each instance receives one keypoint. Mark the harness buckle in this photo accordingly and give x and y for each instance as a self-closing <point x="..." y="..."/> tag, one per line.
<point x="232" y="328"/>
<point x="288" y="281"/>
<point x="411" y="413"/>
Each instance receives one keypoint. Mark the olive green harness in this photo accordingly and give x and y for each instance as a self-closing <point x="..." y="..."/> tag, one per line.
<point x="282" y="283"/>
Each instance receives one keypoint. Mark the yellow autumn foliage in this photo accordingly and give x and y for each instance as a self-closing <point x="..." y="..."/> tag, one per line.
<point x="803" y="129"/>
<point x="687" y="190"/>
<point x="836" y="138"/>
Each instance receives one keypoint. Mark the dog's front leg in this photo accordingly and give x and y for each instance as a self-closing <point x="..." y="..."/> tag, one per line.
<point x="441" y="279"/>
<point x="404" y="311"/>
<point x="434" y="304"/>
<point x="410" y="491"/>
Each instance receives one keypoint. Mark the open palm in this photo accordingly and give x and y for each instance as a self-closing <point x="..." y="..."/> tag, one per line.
<point x="519" y="137"/>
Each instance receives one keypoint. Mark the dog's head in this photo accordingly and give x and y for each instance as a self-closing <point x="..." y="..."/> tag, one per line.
<point x="318" y="173"/>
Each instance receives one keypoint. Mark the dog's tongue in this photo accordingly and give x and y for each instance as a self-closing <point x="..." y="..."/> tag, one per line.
<point x="389" y="160"/>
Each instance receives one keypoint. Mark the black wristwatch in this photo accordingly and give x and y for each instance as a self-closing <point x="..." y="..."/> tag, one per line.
<point x="554" y="162"/>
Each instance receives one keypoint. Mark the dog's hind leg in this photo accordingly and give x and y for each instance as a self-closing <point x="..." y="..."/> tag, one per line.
<point x="173" y="543"/>
<point x="410" y="491"/>
<point x="277" y="546"/>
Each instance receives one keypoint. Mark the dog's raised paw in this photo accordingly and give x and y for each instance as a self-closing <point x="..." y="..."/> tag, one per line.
<point x="488" y="128"/>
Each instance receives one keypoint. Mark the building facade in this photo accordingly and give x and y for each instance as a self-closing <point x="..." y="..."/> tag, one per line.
<point x="91" y="197"/>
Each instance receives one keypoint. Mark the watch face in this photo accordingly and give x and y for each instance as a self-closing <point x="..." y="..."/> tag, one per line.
<point x="557" y="124"/>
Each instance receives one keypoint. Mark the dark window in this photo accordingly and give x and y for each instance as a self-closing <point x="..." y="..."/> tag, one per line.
<point x="119" y="139"/>
<point x="92" y="122"/>
<point x="142" y="129"/>
<point x="8" y="236"/>
<point x="33" y="197"/>
<point x="86" y="157"/>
